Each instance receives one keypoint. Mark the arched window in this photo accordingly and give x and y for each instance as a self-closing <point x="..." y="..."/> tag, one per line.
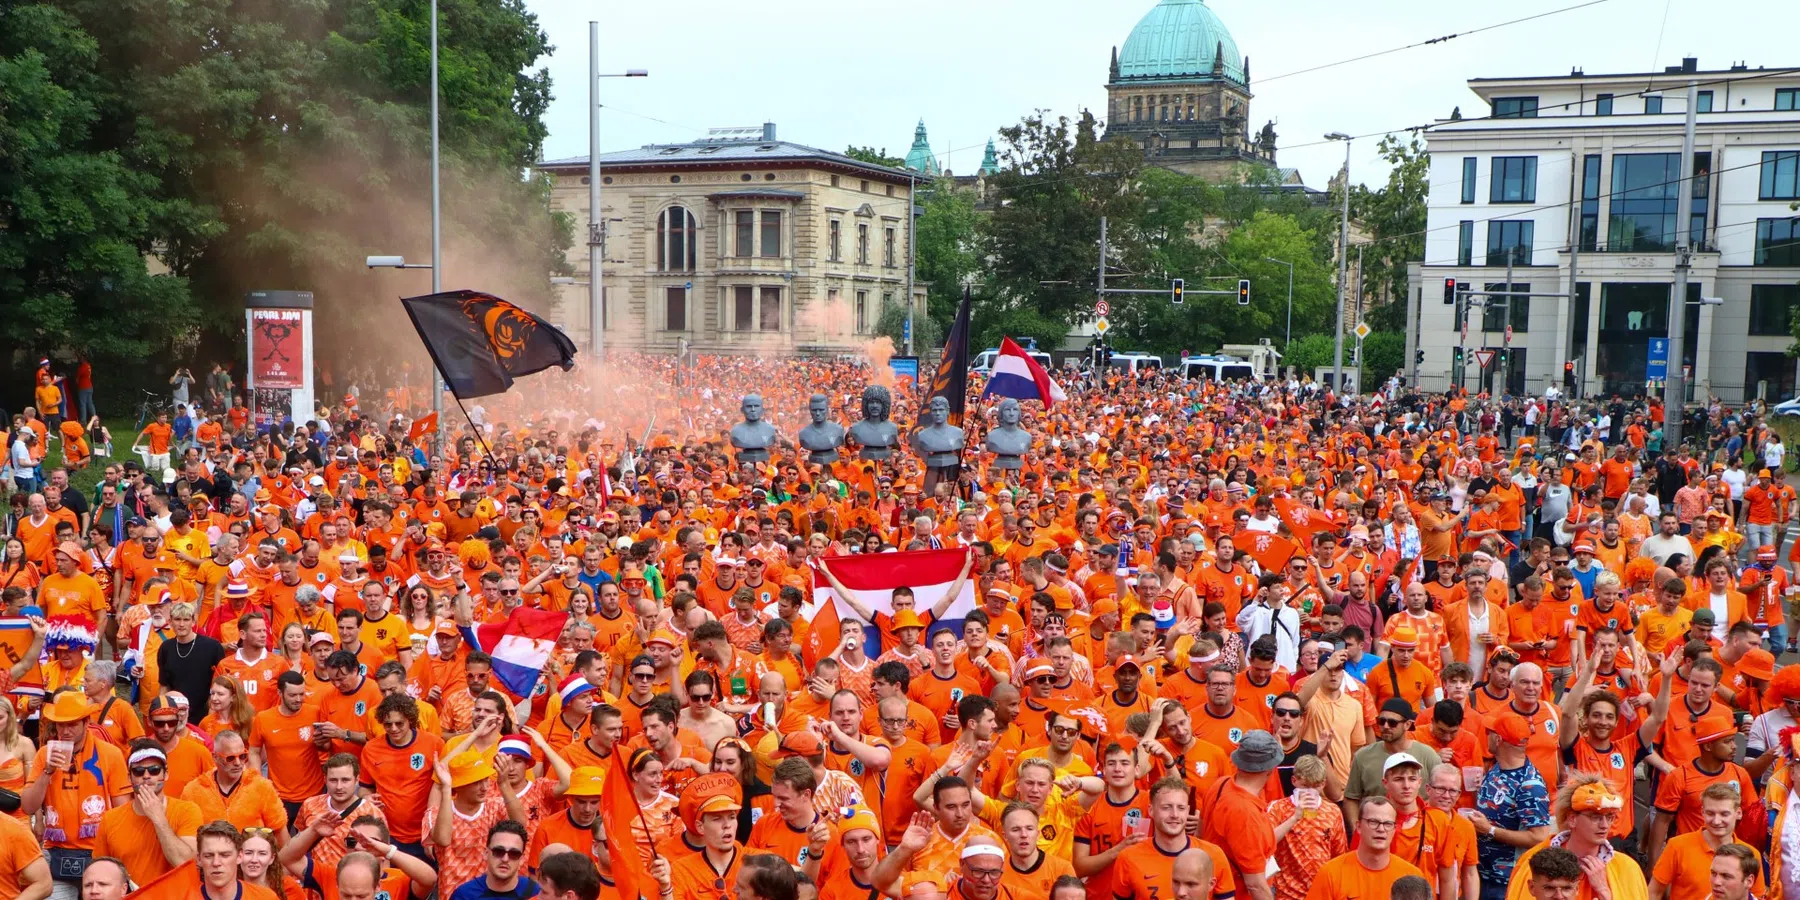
<point x="676" y="240"/>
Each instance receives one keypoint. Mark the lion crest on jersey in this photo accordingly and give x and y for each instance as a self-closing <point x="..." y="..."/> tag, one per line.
<point x="417" y="761"/>
<point x="856" y="767"/>
<point x="1618" y="760"/>
<point x="1550" y="726"/>
<point x="1133" y="817"/>
<point x="956" y="695"/>
<point x="1234" y="735"/>
<point x="362" y="708"/>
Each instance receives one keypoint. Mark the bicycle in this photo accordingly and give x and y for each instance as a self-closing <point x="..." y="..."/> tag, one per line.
<point x="149" y="407"/>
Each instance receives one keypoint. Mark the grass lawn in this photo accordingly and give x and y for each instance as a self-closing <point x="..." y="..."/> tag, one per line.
<point x="122" y="433"/>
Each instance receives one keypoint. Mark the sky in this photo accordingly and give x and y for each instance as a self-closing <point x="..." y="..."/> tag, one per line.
<point x="832" y="75"/>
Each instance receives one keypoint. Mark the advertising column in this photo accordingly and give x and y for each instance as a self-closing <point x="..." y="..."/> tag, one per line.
<point x="279" y="378"/>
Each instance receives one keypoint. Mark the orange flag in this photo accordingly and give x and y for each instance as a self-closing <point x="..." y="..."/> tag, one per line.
<point x="423" y="425"/>
<point x="1303" y="521"/>
<point x="1271" y="551"/>
<point x="823" y="639"/>
<point x="619" y="811"/>
<point x="179" y="883"/>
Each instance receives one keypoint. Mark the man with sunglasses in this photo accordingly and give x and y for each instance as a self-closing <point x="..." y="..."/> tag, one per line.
<point x="1393" y="730"/>
<point x="373" y="868"/>
<point x="153" y="833"/>
<point x="234" y="792"/>
<point x="504" y="875"/>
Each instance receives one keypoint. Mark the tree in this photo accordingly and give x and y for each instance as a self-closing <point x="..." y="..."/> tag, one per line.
<point x="1395" y="217"/>
<point x="1383" y="352"/>
<point x="1057" y="179"/>
<point x="1309" y="353"/>
<point x="75" y="217"/>
<point x="875" y="157"/>
<point x="892" y="325"/>
<point x="945" y="252"/>
<point x="288" y="141"/>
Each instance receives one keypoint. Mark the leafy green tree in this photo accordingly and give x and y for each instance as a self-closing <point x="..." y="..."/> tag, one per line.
<point x="1309" y="353"/>
<point x="75" y="217"/>
<point x="946" y="252"/>
<point x="288" y="141"/>
<point x="875" y="157"/>
<point x="1395" y="217"/>
<point x="927" y="335"/>
<point x="1383" y="353"/>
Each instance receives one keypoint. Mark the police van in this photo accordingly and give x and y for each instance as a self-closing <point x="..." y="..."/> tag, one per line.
<point x="984" y="361"/>
<point x="1219" y="368"/>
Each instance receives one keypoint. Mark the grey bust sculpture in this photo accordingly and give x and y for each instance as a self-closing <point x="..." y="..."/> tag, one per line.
<point x="821" y="437"/>
<point x="1008" y="442"/>
<point x="939" y="443"/>
<point x="753" y="437"/>
<point x="873" y="431"/>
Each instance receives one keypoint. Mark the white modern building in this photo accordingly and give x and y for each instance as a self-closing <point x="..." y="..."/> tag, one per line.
<point x="1576" y="179"/>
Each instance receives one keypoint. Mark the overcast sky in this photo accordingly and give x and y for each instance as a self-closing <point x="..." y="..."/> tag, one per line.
<point x="831" y="74"/>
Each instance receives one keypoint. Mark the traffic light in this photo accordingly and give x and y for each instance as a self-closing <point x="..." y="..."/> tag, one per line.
<point x="1176" y="286"/>
<point x="1419" y="357"/>
<point x="1243" y="292"/>
<point x="1449" y="291"/>
<point x="1456" y="358"/>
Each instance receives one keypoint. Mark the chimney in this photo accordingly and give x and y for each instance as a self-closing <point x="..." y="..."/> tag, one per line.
<point x="1690" y="64"/>
<point x="768" y="131"/>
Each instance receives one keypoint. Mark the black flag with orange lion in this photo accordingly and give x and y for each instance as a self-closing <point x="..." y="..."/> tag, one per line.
<point x="481" y="343"/>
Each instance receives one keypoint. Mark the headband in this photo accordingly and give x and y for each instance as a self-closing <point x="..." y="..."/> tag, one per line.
<point x="974" y="850"/>
<point x="147" y="753"/>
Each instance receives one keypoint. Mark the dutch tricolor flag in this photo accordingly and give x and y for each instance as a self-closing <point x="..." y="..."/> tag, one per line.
<point x="521" y="646"/>
<point x="1020" y="377"/>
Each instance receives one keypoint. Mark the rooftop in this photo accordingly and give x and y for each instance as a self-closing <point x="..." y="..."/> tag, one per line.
<point x="729" y="147"/>
<point x="1180" y="39"/>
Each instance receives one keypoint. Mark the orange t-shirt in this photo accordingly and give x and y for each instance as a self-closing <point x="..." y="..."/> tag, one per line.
<point x="128" y="836"/>
<point x="159" y="435"/>
<point x="1345" y="878"/>
<point x="286" y="743"/>
<point x="402" y="776"/>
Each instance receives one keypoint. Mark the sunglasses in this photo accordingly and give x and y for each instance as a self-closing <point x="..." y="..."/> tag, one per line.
<point x="504" y="592"/>
<point x="1289" y="713"/>
<point x="141" y="771"/>
<point x="235" y="758"/>
<point x="1386" y="722"/>
<point x="643" y="676"/>
<point x="701" y="698"/>
<point x="512" y="853"/>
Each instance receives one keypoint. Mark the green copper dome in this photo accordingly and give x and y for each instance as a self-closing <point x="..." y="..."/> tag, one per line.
<point x="920" y="158"/>
<point x="1179" y="39"/>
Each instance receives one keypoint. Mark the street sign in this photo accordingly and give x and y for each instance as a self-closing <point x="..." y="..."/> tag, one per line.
<point x="1102" y="309"/>
<point x="1362" y="330"/>
<point x="1102" y="325"/>
<point x="1484" y="357"/>
<point x="1509" y="334"/>
<point x="1657" y="368"/>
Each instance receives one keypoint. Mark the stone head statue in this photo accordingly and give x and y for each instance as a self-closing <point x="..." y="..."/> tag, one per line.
<point x="940" y="411"/>
<point x="818" y="407"/>
<point x="821" y="437"/>
<point x="1008" y="442"/>
<point x="874" y="432"/>
<point x="753" y="437"/>
<point x="876" y="403"/>
<point x="752" y="407"/>
<point x="1009" y="413"/>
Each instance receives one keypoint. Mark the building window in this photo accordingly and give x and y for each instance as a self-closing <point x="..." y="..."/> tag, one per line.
<point x="743" y="308"/>
<point x="1780" y="175"/>
<point x="887" y="247"/>
<point x="862" y="312"/>
<point x="770" y="320"/>
<point x="1653" y="105"/>
<point x="771" y="233"/>
<point x="745" y="244"/>
<point x="1465" y="243"/>
<point x="675" y="243"/>
<point x="1603" y="105"/>
<point x="1509" y="238"/>
<point x="1515" y="107"/>
<point x="1778" y="242"/>
<point x="1772" y="308"/>
<point x="1645" y="192"/>
<point x="1787" y="99"/>
<point x="1468" y="183"/>
<point x="834" y="240"/>
<point x="675" y="309"/>
<point x="1703" y="102"/>
<point x="1702" y="197"/>
<point x="1775" y="368"/>
<point x="1513" y="179"/>
<point x="862" y="243"/>
<point x="1494" y="309"/>
<point x="834" y="181"/>
<point x="1590" y="201"/>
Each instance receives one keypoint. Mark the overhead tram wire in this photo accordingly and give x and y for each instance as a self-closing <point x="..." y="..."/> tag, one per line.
<point x="1441" y="39"/>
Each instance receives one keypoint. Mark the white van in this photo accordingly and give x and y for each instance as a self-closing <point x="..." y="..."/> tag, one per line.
<point x="1218" y="368"/>
<point x="1133" y="363"/>
<point x="984" y="361"/>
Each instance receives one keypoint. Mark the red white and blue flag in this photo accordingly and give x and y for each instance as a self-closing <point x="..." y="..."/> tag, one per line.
<point x="1018" y="376"/>
<point x="521" y="646"/>
<point x="872" y="578"/>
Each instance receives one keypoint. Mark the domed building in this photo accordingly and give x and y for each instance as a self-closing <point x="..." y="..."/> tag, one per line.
<point x="1180" y="89"/>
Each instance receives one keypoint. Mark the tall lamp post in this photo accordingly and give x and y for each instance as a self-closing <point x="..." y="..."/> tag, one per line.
<point x="1337" y="353"/>
<point x="596" y="224"/>
<point x="1290" y="317"/>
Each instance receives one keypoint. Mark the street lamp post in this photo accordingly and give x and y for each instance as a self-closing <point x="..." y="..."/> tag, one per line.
<point x="1337" y="354"/>
<point x="596" y="224"/>
<point x="1290" y="316"/>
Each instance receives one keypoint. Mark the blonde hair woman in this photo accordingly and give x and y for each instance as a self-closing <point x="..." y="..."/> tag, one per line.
<point x="16" y="751"/>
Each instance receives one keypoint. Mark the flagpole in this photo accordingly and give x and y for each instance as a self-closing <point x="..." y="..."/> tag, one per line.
<point x="472" y="426"/>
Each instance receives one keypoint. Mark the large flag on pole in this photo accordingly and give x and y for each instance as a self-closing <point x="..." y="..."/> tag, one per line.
<point x="1018" y="376"/>
<point x="618" y="811"/>
<point x="951" y="380"/>
<point x="872" y="578"/>
<point x="481" y="343"/>
<point x="521" y="646"/>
